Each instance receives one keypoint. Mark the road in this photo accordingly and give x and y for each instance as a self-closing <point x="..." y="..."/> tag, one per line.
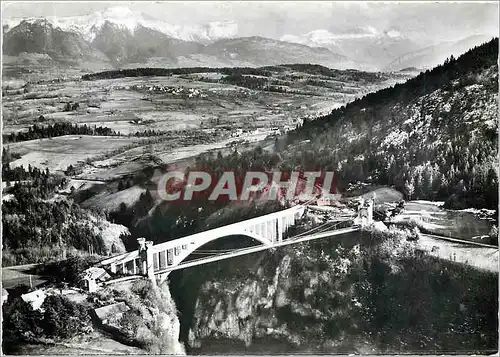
<point x="477" y="255"/>
<point x="20" y="275"/>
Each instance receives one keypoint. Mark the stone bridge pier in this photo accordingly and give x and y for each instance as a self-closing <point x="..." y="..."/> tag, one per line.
<point x="146" y="258"/>
<point x="365" y="212"/>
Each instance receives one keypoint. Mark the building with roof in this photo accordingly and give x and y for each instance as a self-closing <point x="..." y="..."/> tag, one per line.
<point x="5" y="296"/>
<point x="35" y="298"/>
<point x="109" y="313"/>
<point x="92" y="277"/>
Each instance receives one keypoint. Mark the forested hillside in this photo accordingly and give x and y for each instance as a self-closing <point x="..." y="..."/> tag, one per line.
<point x="38" y="224"/>
<point x="434" y="137"/>
<point x="37" y="228"/>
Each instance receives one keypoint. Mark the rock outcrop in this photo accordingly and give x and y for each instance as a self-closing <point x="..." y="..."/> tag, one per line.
<point x="367" y="292"/>
<point x="283" y="293"/>
<point x="151" y="322"/>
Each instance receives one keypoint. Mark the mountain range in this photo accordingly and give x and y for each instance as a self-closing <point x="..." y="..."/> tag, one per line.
<point x="368" y="46"/>
<point x="122" y="38"/>
<point x="131" y="42"/>
<point x="432" y="56"/>
<point x="88" y="25"/>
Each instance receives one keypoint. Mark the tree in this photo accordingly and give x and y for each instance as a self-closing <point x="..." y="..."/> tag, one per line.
<point x="64" y="318"/>
<point x="20" y="322"/>
<point x="130" y="323"/>
<point x="277" y="145"/>
<point x="70" y="171"/>
<point x="426" y="183"/>
<point x="436" y="182"/>
<point x="410" y="187"/>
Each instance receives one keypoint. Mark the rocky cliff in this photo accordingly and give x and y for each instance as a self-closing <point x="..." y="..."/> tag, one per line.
<point x="364" y="293"/>
<point x="151" y="321"/>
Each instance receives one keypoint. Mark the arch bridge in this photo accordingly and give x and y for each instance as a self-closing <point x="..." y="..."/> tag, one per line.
<point x="159" y="260"/>
<point x="152" y="259"/>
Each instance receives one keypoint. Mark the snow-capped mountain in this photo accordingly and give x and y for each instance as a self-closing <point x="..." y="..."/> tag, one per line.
<point x="325" y="37"/>
<point x="41" y="37"/>
<point x="123" y="45"/>
<point x="89" y="26"/>
<point x="369" y="46"/>
<point x="123" y="39"/>
<point x="125" y="36"/>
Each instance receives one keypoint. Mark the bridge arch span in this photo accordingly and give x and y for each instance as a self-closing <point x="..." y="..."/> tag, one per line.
<point x="184" y="254"/>
<point x="265" y="231"/>
<point x="150" y="259"/>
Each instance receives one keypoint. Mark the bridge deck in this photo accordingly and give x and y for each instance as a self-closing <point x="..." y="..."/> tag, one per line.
<point x="244" y="251"/>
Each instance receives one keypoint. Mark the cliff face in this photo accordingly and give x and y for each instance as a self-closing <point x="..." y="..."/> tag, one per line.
<point x="151" y="321"/>
<point x="166" y="324"/>
<point x="303" y="295"/>
<point x="272" y="304"/>
<point x="357" y="294"/>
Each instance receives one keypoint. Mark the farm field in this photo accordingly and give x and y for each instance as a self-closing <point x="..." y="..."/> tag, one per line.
<point x="60" y="152"/>
<point x="131" y="105"/>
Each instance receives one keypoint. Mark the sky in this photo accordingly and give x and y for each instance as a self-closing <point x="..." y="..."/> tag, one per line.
<point x="424" y="21"/>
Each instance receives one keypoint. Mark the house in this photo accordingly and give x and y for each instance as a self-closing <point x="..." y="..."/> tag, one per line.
<point x="237" y="132"/>
<point x="93" y="276"/>
<point x="35" y="298"/>
<point x="5" y="296"/>
<point x="328" y="199"/>
<point x="108" y="313"/>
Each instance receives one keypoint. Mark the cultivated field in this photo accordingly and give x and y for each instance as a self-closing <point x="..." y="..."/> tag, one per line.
<point x="60" y="152"/>
<point x="165" y="119"/>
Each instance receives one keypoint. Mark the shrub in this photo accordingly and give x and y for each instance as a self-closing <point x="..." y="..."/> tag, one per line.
<point x="144" y="289"/>
<point x="61" y="319"/>
<point x="404" y="308"/>
<point x="64" y="318"/>
<point x="20" y="323"/>
<point x="69" y="270"/>
<point x="130" y="323"/>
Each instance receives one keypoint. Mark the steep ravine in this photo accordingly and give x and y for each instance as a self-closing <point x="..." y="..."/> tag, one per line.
<point x="361" y="293"/>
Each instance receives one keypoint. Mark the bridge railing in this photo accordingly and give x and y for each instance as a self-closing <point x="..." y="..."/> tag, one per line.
<point x="230" y="229"/>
